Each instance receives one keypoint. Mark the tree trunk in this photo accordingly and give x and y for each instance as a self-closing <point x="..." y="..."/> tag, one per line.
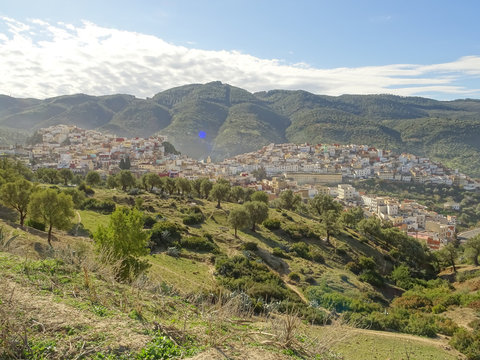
<point x="50" y="236"/>
<point x="475" y="259"/>
<point x="253" y="227"/>
<point x="236" y="233"/>
<point x="453" y="265"/>
<point x="218" y="204"/>
<point x="328" y="237"/>
<point x="22" y="218"/>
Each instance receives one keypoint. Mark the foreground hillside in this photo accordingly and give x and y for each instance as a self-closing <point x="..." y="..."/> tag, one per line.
<point x="279" y="292"/>
<point x="232" y="120"/>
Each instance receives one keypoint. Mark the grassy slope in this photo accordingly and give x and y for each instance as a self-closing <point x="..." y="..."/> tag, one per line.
<point x="82" y="306"/>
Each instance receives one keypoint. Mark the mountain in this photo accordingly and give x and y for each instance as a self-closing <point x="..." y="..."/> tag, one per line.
<point x="231" y="120"/>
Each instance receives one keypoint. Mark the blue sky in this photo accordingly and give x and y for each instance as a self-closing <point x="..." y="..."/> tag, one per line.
<point x="426" y="48"/>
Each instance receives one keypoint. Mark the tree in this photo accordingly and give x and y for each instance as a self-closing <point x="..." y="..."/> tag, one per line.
<point x="353" y="216"/>
<point x="238" y="218"/>
<point x="66" y="175"/>
<point x="126" y="179"/>
<point x="288" y="200"/>
<point x="17" y="196"/>
<point x="322" y="203"/>
<point x="259" y="196"/>
<point x="206" y="187"/>
<point x="112" y="182"/>
<point x="183" y="185"/>
<point x="257" y="212"/>
<point x="236" y="194"/>
<point x="47" y="175"/>
<point x="219" y="192"/>
<point x="170" y="185"/>
<point x="330" y="223"/>
<point x="153" y="180"/>
<point x="448" y="255"/>
<point x="197" y="186"/>
<point x="472" y="249"/>
<point x="260" y="173"/>
<point x="124" y="241"/>
<point x="124" y="164"/>
<point x="93" y="178"/>
<point x="52" y="208"/>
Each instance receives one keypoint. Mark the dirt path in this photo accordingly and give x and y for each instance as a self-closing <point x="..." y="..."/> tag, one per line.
<point x="295" y="289"/>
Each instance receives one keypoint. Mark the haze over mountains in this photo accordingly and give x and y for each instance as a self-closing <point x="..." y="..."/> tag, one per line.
<point x="231" y="120"/>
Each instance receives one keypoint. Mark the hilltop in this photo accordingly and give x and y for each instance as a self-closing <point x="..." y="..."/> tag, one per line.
<point x="233" y="121"/>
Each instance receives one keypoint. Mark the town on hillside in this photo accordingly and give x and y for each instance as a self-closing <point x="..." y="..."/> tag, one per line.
<point x="306" y="169"/>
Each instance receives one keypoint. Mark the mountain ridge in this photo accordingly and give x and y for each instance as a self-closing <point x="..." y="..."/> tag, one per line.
<point x="232" y="120"/>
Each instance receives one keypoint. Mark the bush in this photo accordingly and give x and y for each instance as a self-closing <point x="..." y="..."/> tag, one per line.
<point x="280" y="253"/>
<point x="149" y="222"/>
<point x="86" y="189"/>
<point x="103" y="207"/>
<point x="193" y="219"/>
<point x="301" y="250"/>
<point x="35" y="224"/>
<point x="250" y="246"/>
<point x="272" y="224"/>
<point x="353" y="267"/>
<point x="165" y="233"/>
<point x="294" y="276"/>
<point x="372" y="277"/>
<point x="422" y="325"/>
<point x="467" y="343"/>
<point x="197" y="243"/>
<point x="317" y="256"/>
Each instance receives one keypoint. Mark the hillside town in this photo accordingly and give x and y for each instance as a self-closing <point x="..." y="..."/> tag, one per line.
<point x="306" y="169"/>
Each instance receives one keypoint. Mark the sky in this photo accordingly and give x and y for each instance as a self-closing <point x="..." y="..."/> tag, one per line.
<point x="425" y="48"/>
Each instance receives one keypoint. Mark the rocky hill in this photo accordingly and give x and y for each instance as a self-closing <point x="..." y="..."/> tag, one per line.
<point x="221" y="120"/>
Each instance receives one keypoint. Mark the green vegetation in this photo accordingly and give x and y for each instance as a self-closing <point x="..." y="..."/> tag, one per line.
<point x="165" y="276"/>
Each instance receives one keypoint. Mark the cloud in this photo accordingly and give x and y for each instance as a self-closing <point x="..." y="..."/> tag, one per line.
<point x="41" y="59"/>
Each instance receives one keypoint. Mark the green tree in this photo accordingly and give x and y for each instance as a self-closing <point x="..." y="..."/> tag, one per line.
<point x="257" y="212"/>
<point x="170" y="185"/>
<point x="52" y="208"/>
<point x="236" y="194"/>
<point x="124" y="241"/>
<point x="353" y="216"/>
<point x="184" y="185"/>
<point x="260" y="173"/>
<point x="206" y="187"/>
<point x="17" y="196"/>
<point x="48" y="175"/>
<point x="197" y="187"/>
<point x="93" y="178"/>
<point x="112" y="182"/>
<point x="219" y="192"/>
<point x="238" y="218"/>
<point x="66" y="175"/>
<point x="330" y="223"/>
<point x="126" y="179"/>
<point x="323" y="203"/>
<point x="260" y="196"/>
<point x="447" y="255"/>
<point x="153" y="180"/>
<point x="288" y="200"/>
<point x="472" y="249"/>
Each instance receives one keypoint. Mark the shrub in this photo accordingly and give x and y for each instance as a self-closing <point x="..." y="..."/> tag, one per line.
<point x="250" y="246"/>
<point x="372" y="277"/>
<point x="301" y="249"/>
<point x="86" y="189"/>
<point x="412" y="301"/>
<point x="272" y="224"/>
<point x="149" y="221"/>
<point x="35" y="224"/>
<point x="467" y="343"/>
<point x="103" y="207"/>
<point x="193" y="219"/>
<point x="353" y="267"/>
<point x="280" y="253"/>
<point x="294" y="276"/>
<point x="165" y="233"/>
<point x="422" y="325"/>
<point x="317" y="256"/>
<point x="197" y="243"/>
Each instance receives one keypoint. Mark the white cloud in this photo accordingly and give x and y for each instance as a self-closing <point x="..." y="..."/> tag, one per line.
<point x="41" y="59"/>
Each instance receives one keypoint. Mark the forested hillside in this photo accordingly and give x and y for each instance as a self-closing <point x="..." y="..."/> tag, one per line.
<point x="220" y="120"/>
